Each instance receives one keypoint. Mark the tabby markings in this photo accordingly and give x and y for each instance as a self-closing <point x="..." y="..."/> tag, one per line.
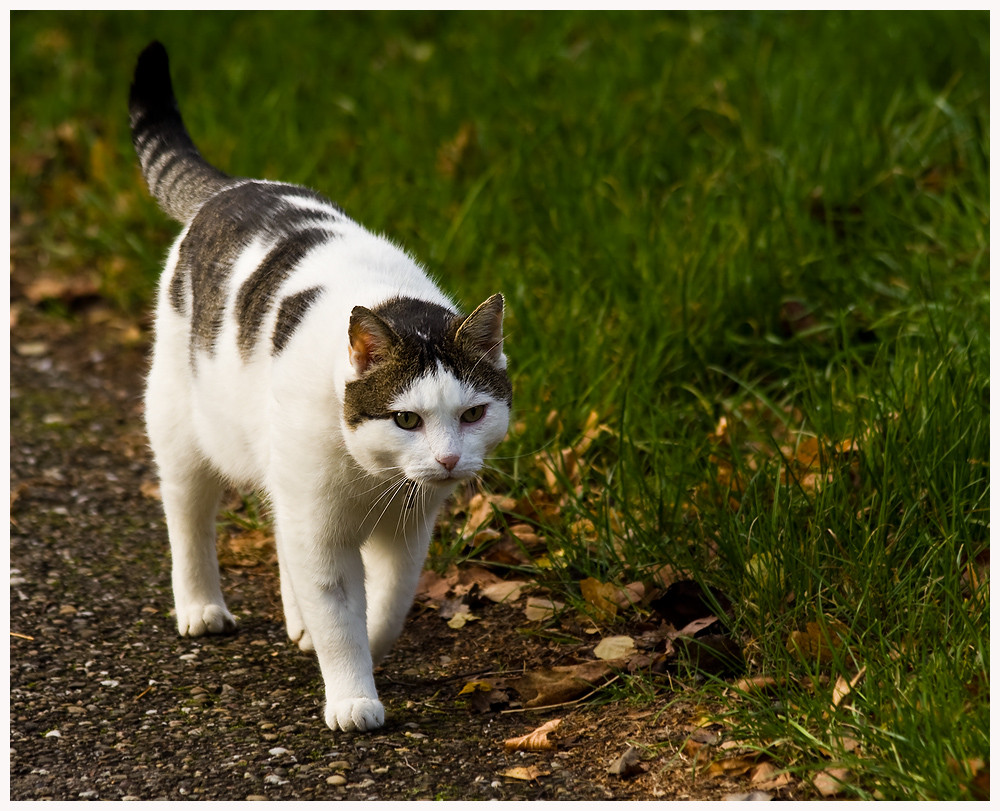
<point x="293" y="219"/>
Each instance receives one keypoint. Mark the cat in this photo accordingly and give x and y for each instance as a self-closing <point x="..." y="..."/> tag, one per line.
<point x="298" y="354"/>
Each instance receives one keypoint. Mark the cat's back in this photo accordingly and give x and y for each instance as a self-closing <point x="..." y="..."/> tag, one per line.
<point x="260" y="257"/>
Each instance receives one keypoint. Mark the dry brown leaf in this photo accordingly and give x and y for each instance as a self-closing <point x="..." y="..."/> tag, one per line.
<point x="435" y="587"/>
<point x="247" y="549"/>
<point x="842" y="687"/>
<point x="556" y="685"/>
<point x="525" y="773"/>
<point x="819" y="641"/>
<point x="504" y="591"/>
<point x="542" y="608"/>
<point x="64" y="288"/>
<point x="481" y="508"/>
<point x="751" y="683"/>
<point x="732" y="766"/>
<point x="535" y="741"/>
<point x="830" y="782"/>
<point x="766" y="776"/>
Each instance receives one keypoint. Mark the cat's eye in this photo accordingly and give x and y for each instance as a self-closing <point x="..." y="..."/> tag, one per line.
<point x="407" y="420"/>
<point x="474" y="414"/>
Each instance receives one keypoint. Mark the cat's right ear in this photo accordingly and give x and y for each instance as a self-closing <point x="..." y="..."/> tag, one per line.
<point x="370" y="338"/>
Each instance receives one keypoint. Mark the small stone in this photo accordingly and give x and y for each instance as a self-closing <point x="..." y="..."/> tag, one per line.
<point x="753" y="796"/>
<point x="278" y="750"/>
<point x="256" y="798"/>
<point x="336" y="780"/>
<point x="340" y="765"/>
<point x="53" y="733"/>
<point x="628" y="764"/>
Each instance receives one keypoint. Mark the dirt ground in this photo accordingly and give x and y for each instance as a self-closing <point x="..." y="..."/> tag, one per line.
<point x="108" y="703"/>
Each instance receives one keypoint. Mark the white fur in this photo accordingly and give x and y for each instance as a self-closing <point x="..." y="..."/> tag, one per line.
<point x="350" y="550"/>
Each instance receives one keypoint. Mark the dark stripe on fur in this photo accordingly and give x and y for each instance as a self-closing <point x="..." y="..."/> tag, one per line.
<point x="221" y="230"/>
<point x="253" y="301"/>
<point x="291" y="311"/>
<point x="424" y="335"/>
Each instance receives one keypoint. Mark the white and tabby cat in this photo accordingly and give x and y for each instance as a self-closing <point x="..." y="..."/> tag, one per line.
<point x="301" y="355"/>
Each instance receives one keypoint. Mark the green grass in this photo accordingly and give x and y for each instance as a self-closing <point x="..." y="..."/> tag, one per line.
<point x="777" y="219"/>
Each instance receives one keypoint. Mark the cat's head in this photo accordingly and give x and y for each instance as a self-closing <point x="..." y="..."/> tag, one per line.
<point x="430" y="396"/>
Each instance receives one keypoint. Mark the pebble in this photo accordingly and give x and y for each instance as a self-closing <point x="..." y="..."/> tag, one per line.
<point x="336" y="780"/>
<point x="340" y="765"/>
<point x="256" y="798"/>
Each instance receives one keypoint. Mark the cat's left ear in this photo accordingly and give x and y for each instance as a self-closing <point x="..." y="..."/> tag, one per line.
<point x="482" y="332"/>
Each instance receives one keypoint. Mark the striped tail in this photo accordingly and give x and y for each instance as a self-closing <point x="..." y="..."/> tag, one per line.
<point x="177" y="175"/>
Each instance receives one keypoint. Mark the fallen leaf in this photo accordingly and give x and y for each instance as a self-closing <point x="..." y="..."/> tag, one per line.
<point x="615" y="647"/>
<point x="535" y="741"/>
<point x="504" y="591"/>
<point x="557" y="685"/>
<point x="460" y="619"/>
<point x="752" y="683"/>
<point x="525" y="773"/>
<point x="64" y="288"/>
<point x="767" y="776"/>
<point x="476" y="686"/>
<point x="819" y="642"/>
<point x="247" y="549"/>
<point x="830" y="782"/>
<point x="732" y="766"/>
<point x="599" y="595"/>
<point x="542" y="608"/>
<point x="842" y="687"/>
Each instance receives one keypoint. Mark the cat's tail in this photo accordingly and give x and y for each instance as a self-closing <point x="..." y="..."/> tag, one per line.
<point x="177" y="175"/>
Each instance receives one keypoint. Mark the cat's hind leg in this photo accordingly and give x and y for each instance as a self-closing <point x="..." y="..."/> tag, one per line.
<point x="191" y="495"/>
<point x="294" y="624"/>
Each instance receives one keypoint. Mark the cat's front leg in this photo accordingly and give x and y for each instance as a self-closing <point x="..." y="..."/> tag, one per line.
<point x="393" y="562"/>
<point x="327" y="580"/>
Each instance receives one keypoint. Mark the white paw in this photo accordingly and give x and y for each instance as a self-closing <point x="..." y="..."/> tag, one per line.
<point x="355" y="714"/>
<point x="300" y="636"/>
<point x="198" y="619"/>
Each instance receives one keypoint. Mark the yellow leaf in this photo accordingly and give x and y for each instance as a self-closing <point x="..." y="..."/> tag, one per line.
<point x="475" y="687"/>
<point x="615" y="647"/>
<point x="599" y="595"/>
<point x="460" y="619"/>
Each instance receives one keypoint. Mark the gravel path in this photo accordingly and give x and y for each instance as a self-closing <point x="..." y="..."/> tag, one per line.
<point x="108" y="703"/>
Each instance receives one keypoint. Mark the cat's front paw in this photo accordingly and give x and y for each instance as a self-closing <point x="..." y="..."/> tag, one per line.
<point x="355" y="714"/>
<point x="197" y="619"/>
<point x="300" y="636"/>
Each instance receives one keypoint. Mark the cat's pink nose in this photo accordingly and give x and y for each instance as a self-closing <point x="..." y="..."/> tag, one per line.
<point x="448" y="462"/>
